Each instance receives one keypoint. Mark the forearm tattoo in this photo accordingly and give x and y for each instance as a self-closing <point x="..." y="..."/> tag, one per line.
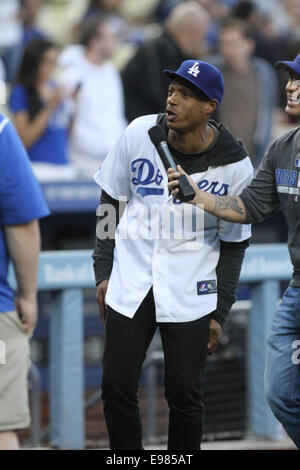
<point x="228" y="203"/>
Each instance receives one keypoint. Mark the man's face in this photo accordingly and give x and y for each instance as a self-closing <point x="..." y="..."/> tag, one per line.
<point x="234" y="47"/>
<point x="292" y="7"/>
<point x="293" y="95"/>
<point x="111" y="5"/>
<point x="185" y="110"/>
<point x="31" y="9"/>
<point x="193" y="39"/>
<point x="105" y="44"/>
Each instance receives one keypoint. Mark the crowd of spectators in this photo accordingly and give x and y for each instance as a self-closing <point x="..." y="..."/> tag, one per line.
<point x="78" y="71"/>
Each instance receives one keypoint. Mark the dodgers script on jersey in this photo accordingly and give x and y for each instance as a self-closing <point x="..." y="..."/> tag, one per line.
<point x="162" y="242"/>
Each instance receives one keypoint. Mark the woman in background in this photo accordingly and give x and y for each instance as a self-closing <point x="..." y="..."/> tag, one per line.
<point x="41" y="114"/>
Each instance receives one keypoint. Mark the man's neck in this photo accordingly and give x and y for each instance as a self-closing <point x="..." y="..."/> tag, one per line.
<point x="190" y="142"/>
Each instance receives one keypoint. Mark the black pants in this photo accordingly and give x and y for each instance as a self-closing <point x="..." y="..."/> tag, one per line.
<point x="185" y="350"/>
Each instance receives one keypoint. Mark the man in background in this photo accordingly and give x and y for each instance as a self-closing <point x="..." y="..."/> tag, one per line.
<point x="99" y="117"/>
<point x="183" y="38"/>
<point x="251" y="89"/>
<point x="21" y="204"/>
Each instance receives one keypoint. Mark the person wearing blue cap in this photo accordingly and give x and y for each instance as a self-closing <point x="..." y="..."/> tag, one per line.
<point x="276" y="185"/>
<point x="152" y="274"/>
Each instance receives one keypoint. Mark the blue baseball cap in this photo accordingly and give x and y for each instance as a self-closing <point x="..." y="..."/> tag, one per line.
<point x="202" y="75"/>
<point x="292" y="64"/>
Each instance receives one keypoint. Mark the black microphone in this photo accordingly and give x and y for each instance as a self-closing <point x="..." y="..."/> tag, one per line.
<point x="159" y="139"/>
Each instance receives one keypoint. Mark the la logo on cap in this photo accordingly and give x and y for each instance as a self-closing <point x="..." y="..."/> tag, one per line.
<point x="194" y="70"/>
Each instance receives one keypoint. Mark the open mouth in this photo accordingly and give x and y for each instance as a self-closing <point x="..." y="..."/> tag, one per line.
<point x="170" y="115"/>
<point x="292" y="101"/>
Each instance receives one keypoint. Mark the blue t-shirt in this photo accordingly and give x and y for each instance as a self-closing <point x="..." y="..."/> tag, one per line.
<point x="21" y="198"/>
<point x="52" y="146"/>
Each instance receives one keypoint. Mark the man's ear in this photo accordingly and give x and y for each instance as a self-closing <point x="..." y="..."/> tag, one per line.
<point x="211" y="106"/>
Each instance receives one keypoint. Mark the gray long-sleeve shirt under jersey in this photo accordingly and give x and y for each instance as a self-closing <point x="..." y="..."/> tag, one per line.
<point x="277" y="185"/>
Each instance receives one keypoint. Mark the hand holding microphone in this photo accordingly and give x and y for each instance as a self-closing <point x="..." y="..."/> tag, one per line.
<point x="159" y="139"/>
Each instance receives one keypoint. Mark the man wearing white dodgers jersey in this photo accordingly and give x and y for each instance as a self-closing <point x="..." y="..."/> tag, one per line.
<point x="185" y="284"/>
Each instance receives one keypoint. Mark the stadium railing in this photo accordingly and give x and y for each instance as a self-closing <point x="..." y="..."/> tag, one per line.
<point x="67" y="273"/>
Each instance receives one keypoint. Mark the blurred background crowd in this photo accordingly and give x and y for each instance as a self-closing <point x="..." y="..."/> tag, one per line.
<point x="77" y="71"/>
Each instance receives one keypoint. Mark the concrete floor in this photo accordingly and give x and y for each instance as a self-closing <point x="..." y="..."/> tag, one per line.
<point x="244" y="444"/>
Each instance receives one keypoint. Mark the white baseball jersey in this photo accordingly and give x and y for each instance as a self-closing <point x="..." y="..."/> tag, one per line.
<point x="159" y="241"/>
